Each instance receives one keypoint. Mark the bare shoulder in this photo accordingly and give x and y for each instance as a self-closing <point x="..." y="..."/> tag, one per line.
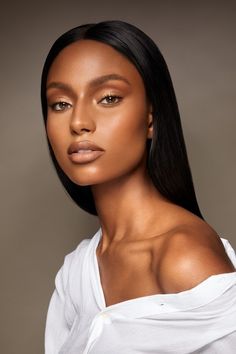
<point x="191" y="254"/>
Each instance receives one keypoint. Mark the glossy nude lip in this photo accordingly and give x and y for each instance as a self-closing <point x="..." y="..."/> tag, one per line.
<point x="84" y="151"/>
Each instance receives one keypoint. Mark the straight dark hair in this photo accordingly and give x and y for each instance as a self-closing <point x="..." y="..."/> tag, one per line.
<point x="167" y="161"/>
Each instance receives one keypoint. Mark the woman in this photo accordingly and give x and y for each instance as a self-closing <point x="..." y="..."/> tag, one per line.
<point x="155" y="278"/>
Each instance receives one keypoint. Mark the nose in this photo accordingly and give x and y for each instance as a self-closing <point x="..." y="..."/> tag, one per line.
<point x="81" y="120"/>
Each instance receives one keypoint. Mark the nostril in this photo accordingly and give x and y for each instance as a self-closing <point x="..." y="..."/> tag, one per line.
<point x="80" y="124"/>
<point x="80" y="131"/>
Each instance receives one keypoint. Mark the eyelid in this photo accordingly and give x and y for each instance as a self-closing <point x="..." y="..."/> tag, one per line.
<point x="57" y="102"/>
<point x="113" y="95"/>
<point x="57" y="97"/>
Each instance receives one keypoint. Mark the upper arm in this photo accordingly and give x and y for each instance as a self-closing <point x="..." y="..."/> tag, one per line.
<point x="61" y="311"/>
<point x="191" y="258"/>
<point x="57" y="325"/>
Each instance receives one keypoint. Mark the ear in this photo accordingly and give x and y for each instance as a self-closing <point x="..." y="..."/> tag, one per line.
<point x="150" y="123"/>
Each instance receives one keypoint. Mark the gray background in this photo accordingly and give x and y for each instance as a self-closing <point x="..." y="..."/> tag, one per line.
<point x="39" y="223"/>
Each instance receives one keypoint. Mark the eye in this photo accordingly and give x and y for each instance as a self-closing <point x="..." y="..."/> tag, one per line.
<point x="110" y="100"/>
<point x="60" y="106"/>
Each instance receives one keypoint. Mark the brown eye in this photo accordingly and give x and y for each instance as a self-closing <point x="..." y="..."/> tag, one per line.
<point x="110" y="99"/>
<point x="60" y="106"/>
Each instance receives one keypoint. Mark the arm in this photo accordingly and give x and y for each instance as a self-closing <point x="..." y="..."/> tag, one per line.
<point x="57" y="324"/>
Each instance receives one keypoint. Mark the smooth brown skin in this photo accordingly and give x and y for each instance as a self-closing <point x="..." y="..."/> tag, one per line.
<point x="149" y="245"/>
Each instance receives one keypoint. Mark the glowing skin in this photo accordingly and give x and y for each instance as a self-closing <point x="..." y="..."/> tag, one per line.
<point x="112" y="113"/>
<point x="149" y="245"/>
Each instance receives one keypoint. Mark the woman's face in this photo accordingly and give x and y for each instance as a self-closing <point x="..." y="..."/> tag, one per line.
<point x="98" y="115"/>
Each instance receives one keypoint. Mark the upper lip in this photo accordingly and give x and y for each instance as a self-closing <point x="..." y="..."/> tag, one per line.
<point x="83" y="145"/>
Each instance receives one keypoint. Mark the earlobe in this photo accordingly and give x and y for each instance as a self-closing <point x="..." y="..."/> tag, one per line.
<point x="150" y="125"/>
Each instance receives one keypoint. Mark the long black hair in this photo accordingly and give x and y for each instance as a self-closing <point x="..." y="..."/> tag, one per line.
<point x="167" y="161"/>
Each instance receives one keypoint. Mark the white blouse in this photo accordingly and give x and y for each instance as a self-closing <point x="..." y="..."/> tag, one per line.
<point x="199" y="320"/>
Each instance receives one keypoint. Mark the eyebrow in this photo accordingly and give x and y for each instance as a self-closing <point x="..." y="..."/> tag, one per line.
<point x="98" y="81"/>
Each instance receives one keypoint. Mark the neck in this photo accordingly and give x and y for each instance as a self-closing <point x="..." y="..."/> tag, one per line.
<point x="127" y="207"/>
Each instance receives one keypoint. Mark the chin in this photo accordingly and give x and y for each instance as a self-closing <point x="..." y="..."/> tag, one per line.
<point x="85" y="180"/>
<point x="83" y="175"/>
<point x="82" y="182"/>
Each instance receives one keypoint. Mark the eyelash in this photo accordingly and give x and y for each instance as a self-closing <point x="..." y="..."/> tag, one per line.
<point x="117" y="98"/>
<point x="66" y="105"/>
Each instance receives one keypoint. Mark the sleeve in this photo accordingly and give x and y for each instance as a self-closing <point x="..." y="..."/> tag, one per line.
<point x="60" y="311"/>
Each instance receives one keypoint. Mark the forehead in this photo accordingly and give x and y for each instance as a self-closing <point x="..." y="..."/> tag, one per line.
<point x="86" y="59"/>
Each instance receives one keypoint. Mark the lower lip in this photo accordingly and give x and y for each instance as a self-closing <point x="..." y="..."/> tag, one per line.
<point x="84" y="157"/>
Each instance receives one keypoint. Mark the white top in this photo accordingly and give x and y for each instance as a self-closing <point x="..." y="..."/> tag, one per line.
<point x="199" y="320"/>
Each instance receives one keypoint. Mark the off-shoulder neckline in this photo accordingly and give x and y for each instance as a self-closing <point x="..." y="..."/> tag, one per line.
<point x="204" y="292"/>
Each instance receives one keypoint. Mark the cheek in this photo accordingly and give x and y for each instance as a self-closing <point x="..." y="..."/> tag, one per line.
<point x="126" y="138"/>
<point x="53" y="130"/>
<point x="50" y="129"/>
<point x="57" y="136"/>
<point x="129" y="131"/>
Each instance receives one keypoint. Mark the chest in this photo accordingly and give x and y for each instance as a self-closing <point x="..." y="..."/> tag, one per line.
<point x="128" y="274"/>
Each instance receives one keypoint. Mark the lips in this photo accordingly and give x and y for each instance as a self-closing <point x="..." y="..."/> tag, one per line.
<point x="83" y="146"/>
<point x="84" y="151"/>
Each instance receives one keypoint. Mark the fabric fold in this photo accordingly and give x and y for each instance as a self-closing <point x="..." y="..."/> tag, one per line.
<point x="198" y="320"/>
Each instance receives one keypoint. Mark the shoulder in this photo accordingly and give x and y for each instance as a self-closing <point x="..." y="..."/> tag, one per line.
<point x="76" y="253"/>
<point x="71" y="261"/>
<point x="191" y="254"/>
